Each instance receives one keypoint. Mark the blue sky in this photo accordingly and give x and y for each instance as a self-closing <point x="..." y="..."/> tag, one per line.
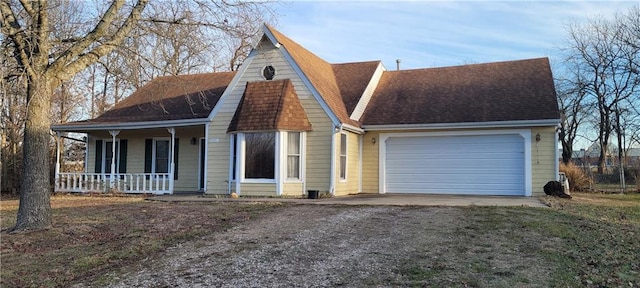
<point x="436" y="33"/>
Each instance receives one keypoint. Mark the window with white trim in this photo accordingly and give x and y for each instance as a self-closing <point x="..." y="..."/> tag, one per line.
<point x="161" y="152"/>
<point x="260" y="151"/>
<point x="108" y="156"/>
<point x="293" y="155"/>
<point x="343" y="156"/>
<point x="234" y="155"/>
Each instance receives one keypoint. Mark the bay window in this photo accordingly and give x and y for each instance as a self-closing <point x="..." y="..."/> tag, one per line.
<point x="293" y="155"/>
<point x="260" y="149"/>
<point x="343" y="156"/>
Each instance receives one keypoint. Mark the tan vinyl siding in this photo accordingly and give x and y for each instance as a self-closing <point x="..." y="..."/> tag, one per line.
<point x="318" y="140"/>
<point x="91" y="154"/>
<point x="135" y="155"/>
<point x="318" y="164"/>
<point x="543" y="159"/>
<point x="351" y="183"/>
<point x="292" y="189"/>
<point x="370" y="155"/>
<point x="258" y="189"/>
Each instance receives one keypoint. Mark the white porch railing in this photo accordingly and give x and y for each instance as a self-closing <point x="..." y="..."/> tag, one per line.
<point x="153" y="183"/>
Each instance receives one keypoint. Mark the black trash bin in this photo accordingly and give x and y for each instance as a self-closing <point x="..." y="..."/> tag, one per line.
<point x="312" y="194"/>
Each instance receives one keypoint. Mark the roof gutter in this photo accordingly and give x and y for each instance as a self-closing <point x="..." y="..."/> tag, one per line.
<point x="129" y="125"/>
<point x="332" y="179"/>
<point x="351" y="128"/>
<point x="464" y="125"/>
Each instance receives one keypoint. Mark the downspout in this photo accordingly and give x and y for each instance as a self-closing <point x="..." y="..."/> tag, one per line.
<point x="360" y="149"/>
<point x="334" y="130"/>
<point x="303" y="160"/>
<point x="557" y="156"/>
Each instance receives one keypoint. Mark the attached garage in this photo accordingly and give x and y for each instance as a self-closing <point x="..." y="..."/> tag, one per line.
<point x="482" y="163"/>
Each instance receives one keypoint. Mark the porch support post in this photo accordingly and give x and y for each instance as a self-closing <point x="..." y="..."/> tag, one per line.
<point x="113" y="133"/>
<point x="57" y="169"/>
<point x="171" y="156"/>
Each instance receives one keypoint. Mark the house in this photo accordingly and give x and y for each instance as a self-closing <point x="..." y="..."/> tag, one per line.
<point x="590" y="157"/>
<point x="288" y="121"/>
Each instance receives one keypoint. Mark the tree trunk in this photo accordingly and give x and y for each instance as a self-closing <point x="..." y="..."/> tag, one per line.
<point x="567" y="154"/>
<point x="602" y="159"/>
<point x="34" y="212"/>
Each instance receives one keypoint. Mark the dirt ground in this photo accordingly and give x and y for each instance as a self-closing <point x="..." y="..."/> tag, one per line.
<point x="327" y="246"/>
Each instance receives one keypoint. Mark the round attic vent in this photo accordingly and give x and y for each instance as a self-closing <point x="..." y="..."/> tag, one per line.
<point x="268" y="72"/>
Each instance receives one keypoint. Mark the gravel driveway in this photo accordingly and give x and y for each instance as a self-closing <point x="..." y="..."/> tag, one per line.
<point x="322" y="246"/>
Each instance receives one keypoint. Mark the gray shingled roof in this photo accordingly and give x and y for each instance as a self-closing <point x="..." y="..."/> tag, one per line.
<point x="353" y="79"/>
<point x="269" y="106"/>
<point x="501" y="91"/>
<point x="167" y="98"/>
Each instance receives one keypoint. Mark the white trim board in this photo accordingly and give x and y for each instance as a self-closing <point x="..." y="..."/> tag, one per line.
<point x="130" y="125"/>
<point x="465" y="125"/>
<point x="361" y="107"/>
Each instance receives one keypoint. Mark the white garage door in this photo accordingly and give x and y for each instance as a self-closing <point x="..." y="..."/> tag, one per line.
<point x="482" y="165"/>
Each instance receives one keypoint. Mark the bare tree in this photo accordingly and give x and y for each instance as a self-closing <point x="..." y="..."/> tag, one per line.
<point x="174" y="38"/>
<point x="46" y="66"/>
<point x="606" y="70"/>
<point x="12" y="117"/>
<point x="46" y="55"/>
<point x="573" y="109"/>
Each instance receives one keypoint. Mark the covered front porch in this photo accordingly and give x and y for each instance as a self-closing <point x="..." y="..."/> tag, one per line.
<point x="153" y="141"/>
<point x="138" y="161"/>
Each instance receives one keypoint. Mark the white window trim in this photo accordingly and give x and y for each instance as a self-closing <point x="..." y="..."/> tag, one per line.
<point x="285" y="158"/>
<point x="153" y="154"/>
<point x="346" y="158"/>
<point x="234" y="144"/>
<point x="104" y="156"/>
<point x="242" y="158"/>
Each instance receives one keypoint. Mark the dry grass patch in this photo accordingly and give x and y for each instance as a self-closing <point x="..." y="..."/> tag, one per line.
<point x="590" y="241"/>
<point x="600" y="235"/>
<point x="578" y="180"/>
<point x="92" y="235"/>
